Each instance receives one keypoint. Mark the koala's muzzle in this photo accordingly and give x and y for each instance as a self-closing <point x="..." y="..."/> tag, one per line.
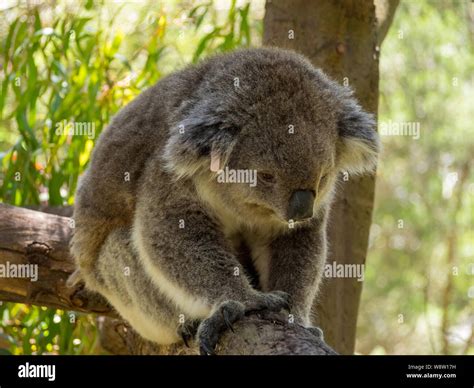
<point x="301" y="205"/>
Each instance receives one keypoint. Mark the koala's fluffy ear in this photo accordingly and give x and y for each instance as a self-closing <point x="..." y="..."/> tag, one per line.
<point x="359" y="143"/>
<point x="194" y="139"/>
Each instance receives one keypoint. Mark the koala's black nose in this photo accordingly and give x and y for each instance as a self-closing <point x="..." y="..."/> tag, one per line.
<point x="301" y="205"/>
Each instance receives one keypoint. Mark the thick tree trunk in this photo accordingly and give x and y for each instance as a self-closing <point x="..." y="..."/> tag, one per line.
<point x="340" y="37"/>
<point x="30" y="237"/>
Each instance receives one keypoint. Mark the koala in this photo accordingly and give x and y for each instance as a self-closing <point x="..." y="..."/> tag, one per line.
<point x="207" y="197"/>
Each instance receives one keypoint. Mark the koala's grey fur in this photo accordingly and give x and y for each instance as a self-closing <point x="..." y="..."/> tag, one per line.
<point x="167" y="244"/>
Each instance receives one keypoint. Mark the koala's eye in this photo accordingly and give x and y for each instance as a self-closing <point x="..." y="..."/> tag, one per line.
<point x="266" y="177"/>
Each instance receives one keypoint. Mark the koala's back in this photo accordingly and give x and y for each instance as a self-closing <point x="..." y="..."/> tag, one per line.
<point x="106" y="196"/>
<point x="108" y="187"/>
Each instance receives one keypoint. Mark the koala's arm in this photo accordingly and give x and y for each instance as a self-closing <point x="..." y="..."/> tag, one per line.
<point x="296" y="266"/>
<point x="187" y="255"/>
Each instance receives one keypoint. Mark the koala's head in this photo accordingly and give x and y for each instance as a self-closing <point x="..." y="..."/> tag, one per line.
<point x="270" y="112"/>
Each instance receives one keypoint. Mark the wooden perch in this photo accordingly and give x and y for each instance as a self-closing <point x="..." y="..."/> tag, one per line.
<point x="32" y="237"/>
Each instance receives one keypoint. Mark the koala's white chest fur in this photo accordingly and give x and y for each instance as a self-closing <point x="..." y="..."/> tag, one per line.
<point x="257" y="236"/>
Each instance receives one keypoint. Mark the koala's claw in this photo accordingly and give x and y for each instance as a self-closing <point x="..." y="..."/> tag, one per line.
<point x="211" y="328"/>
<point x="185" y="340"/>
<point x="227" y="318"/>
<point x="188" y="330"/>
<point x="286" y="305"/>
<point x="206" y="350"/>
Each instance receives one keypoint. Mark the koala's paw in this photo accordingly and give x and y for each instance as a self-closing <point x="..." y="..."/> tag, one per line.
<point x="187" y="331"/>
<point x="231" y="311"/>
<point x="211" y="328"/>
<point x="273" y="301"/>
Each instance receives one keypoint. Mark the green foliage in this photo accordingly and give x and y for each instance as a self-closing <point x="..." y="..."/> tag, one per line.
<point x="35" y="330"/>
<point x="66" y="71"/>
<point x="235" y="32"/>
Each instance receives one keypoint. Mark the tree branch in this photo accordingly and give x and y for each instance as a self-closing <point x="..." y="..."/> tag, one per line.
<point x="29" y="237"/>
<point x="33" y="238"/>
